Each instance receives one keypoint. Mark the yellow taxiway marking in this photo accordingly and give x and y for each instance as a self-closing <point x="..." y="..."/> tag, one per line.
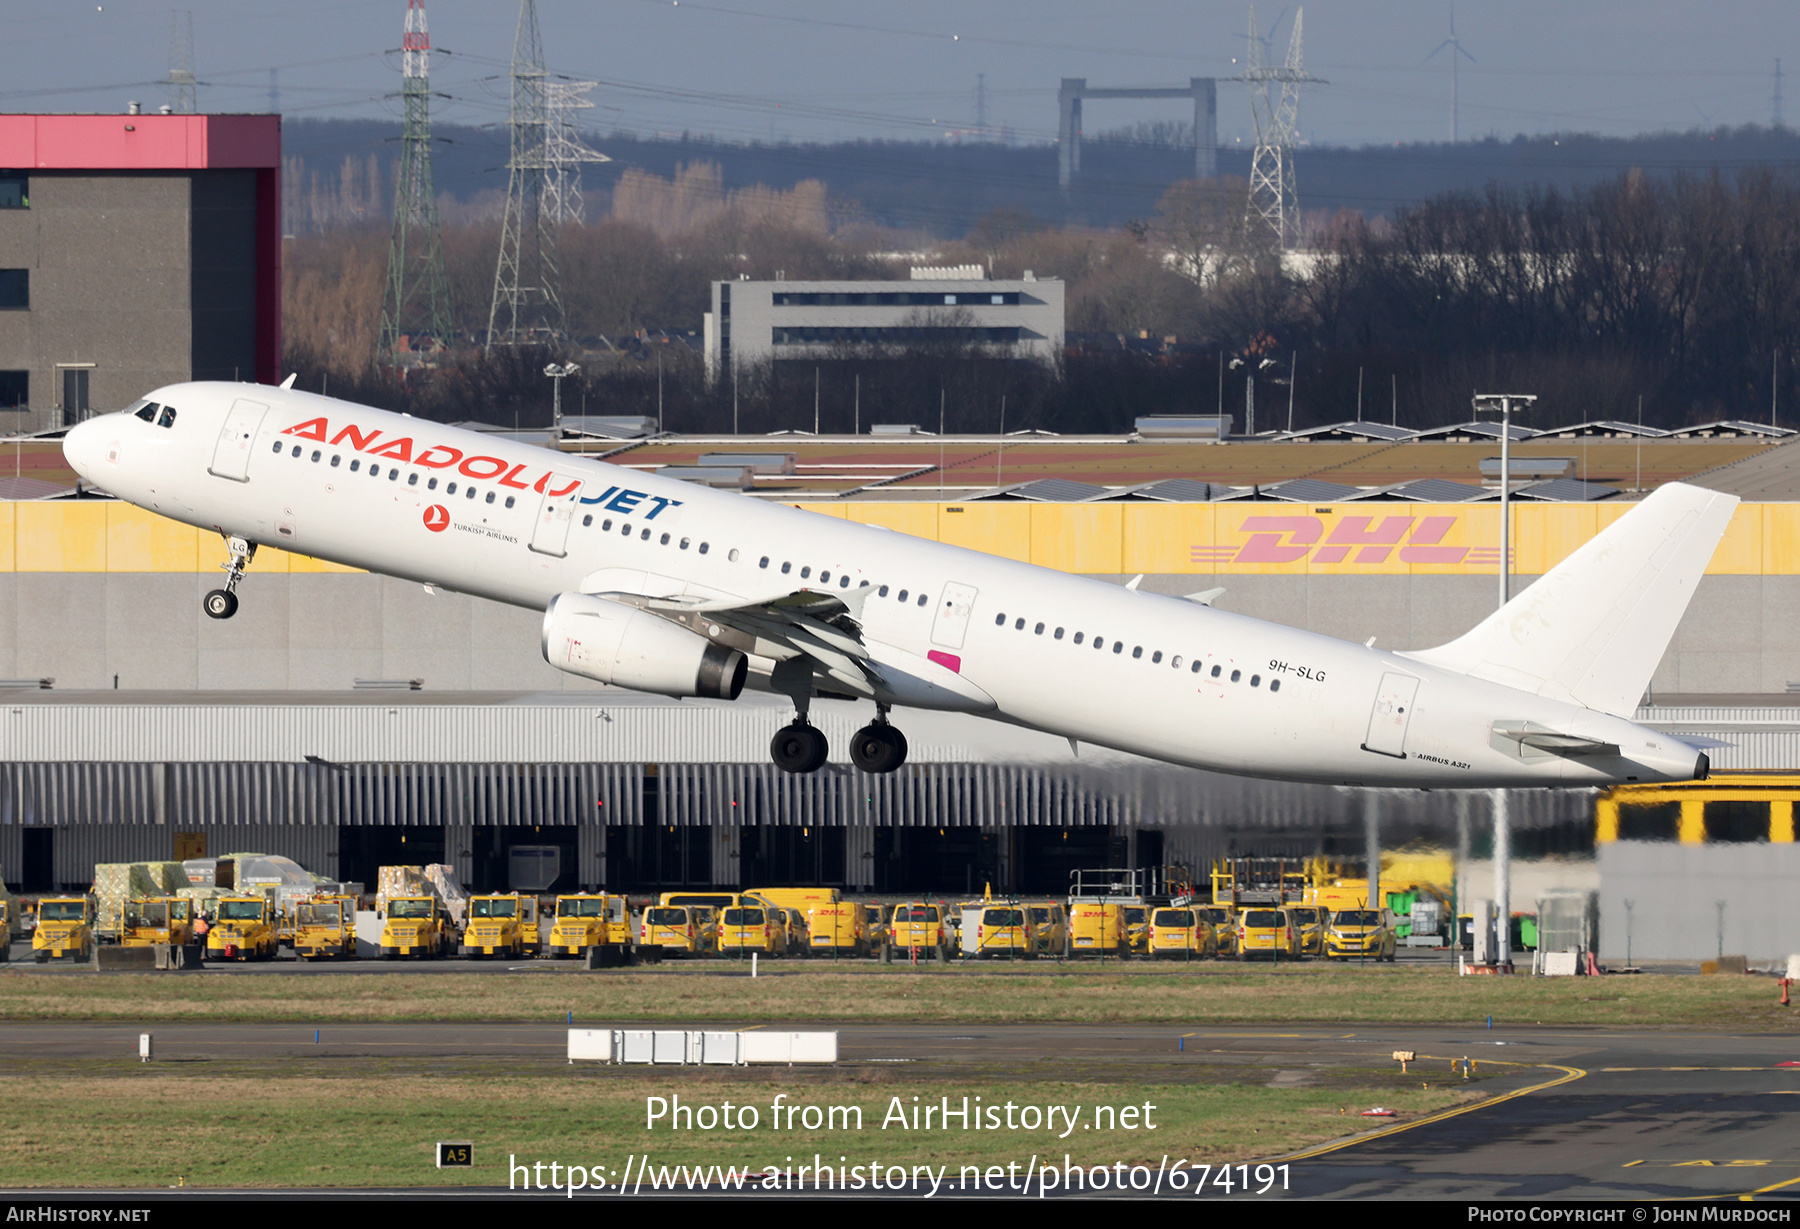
<point x="1569" y="1075"/>
<point x="1604" y="1070"/>
<point x="1763" y="1190"/>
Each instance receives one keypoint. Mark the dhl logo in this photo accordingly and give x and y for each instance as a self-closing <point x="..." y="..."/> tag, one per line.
<point x="1353" y="539"/>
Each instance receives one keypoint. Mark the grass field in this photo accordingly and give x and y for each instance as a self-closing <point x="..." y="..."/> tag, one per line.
<point x="1292" y="995"/>
<point x="312" y="1128"/>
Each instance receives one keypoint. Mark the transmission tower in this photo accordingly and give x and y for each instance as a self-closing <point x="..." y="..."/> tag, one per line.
<point x="562" y="181"/>
<point x="1273" y="204"/>
<point x="181" y="81"/>
<point x="527" y="305"/>
<point x="417" y="298"/>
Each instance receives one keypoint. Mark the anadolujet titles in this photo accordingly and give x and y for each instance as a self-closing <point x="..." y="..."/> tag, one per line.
<point x="663" y="586"/>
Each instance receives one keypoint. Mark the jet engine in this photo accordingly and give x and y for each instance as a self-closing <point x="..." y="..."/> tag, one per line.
<point x="628" y="647"/>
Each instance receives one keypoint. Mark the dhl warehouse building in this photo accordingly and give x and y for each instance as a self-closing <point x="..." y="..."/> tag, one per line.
<point x="133" y="727"/>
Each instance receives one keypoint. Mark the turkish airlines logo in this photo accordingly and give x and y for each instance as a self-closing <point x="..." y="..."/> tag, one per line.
<point x="1417" y="540"/>
<point x="437" y="518"/>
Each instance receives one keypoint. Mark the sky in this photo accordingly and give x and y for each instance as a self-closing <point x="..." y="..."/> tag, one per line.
<point x="807" y="70"/>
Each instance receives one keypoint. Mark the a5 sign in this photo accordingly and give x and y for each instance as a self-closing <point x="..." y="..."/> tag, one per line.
<point x="455" y="1155"/>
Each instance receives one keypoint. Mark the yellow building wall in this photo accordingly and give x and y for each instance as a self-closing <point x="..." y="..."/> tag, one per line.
<point x="1169" y="539"/>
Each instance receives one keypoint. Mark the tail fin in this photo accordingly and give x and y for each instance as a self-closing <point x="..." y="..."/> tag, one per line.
<point x="1592" y="630"/>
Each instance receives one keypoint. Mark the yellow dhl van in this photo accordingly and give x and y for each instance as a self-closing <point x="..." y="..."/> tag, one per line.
<point x="752" y="927"/>
<point x="1049" y="927"/>
<point x="244" y="930"/>
<point x="1178" y="933"/>
<point x="65" y="927"/>
<point x="838" y="928"/>
<point x="997" y="931"/>
<point x="325" y="928"/>
<point x="158" y="919"/>
<point x="592" y="920"/>
<point x="678" y="930"/>
<point x="918" y="926"/>
<point x="1266" y="932"/>
<point x="1097" y="928"/>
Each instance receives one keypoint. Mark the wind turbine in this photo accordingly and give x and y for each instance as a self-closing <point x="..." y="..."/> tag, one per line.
<point x="1456" y="50"/>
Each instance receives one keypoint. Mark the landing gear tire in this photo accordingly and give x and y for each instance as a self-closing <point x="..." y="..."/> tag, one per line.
<point x="220" y="604"/>
<point x="878" y="747"/>
<point x="799" y="748"/>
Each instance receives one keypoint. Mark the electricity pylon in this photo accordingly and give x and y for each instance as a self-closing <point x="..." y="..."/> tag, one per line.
<point x="1274" y="204"/>
<point x="562" y="180"/>
<point x="417" y="298"/>
<point x="527" y="306"/>
<point x="182" y="83"/>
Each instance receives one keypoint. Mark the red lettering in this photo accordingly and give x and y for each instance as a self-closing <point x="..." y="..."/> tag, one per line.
<point x="1421" y="546"/>
<point x="507" y="480"/>
<point x="357" y="439"/>
<point x="574" y="485"/>
<point x="425" y="458"/>
<point x="399" y="450"/>
<point x="311" y="429"/>
<point x="1377" y="544"/>
<point x="484" y="462"/>
<point x="1265" y="547"/>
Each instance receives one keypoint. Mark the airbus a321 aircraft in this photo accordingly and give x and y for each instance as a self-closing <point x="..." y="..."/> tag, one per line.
<point x="661" y="586"/>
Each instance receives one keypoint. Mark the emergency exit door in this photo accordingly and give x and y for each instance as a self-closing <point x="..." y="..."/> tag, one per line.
<point x="1393" y="709"/>
<point x="231" y="455"/>
<point x="952" y="621"/>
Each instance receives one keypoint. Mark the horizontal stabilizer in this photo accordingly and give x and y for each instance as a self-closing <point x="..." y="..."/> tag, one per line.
<point x="1592" y="630"/>
<point x="1543" y="738"/>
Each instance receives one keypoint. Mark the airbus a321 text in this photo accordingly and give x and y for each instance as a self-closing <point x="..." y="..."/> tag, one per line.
<point x="661" y="586"/>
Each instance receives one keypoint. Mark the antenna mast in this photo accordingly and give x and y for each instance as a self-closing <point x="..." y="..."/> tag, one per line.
<point x="527" y="305"/>
<point x="417" y="298"/>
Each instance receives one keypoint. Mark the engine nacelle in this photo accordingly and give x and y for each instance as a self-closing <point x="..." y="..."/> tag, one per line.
<point x="628" y="647"/>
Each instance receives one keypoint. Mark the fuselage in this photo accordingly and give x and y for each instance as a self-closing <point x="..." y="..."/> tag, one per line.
<point x="949" y="628"/>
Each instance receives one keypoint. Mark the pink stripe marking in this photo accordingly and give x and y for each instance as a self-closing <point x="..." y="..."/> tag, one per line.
<point x="949" y="661"/>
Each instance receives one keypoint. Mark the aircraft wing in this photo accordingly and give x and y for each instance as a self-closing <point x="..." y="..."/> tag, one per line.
<point x="818" y="629"/>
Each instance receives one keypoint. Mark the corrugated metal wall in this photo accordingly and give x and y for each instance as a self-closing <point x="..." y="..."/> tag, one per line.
<point x="192" y="796"/>
<point x="1761" y="739"/>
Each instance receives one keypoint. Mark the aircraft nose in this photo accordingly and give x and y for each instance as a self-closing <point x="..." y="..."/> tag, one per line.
<point x="84" y="448"/>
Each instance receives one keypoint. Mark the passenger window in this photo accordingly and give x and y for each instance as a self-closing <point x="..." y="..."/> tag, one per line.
<point x="999" y="620"/>
<point x="509" y="501"/>
<point x="733" y="556"/>
<point x="1137" y="652"/>
<point x="316" y="455"/>
<point x="1038" y="630"/>
<point x="625" y="529"/>
<point x="606" y="525"/>
<point x="1078" y="636"/>
<point x="644" y="536"/>
<point x="665" y="540"/>
<point x="1018" y="625"/>
<point x="587" y="520"/>
<point x="902" y="595"/>
<point x="168" y="417"/>
<point x="703" y="548"/>
<point x="355" y="465"/>
<point x="1256" y="680"/>
<point x="1236" y="675"/>
<point x="1196" y="668"/>
<point x="296" y="451"/>
<point x="1274" y="684"/>
<point x="763" y="564"/>
<point x="1215" y="671"/>
<point x="824" y="578"/>
<point x="806" y="572"/>
<point x="450" y="489"/>
<point x="921" y="599"/>
<point x="786" y="568"/>
<point x="431" y="484"/>
<point x="1156" y="657"/>
<point x="844" y="580"/>
<point x="1057" y="635"/>
<point x="393" y="475"/>
<point x="413" y="480"/>
<point x="686" y="541"/>
<point x="277" y="447"/>
<point x="490" y="497"/>
<point x="1119" y="647"/>
<point x="334" y="460"/>
<point x="1175" y="661"/>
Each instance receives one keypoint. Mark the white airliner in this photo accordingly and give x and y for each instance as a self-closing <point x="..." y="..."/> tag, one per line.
<point x="662" y="586"/>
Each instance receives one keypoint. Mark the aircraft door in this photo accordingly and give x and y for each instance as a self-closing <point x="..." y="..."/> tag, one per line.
<point x="561" y="495"/>
<point x="1393" y="709"/>
<point x="952" y="621"/>
<point x="231" y="455"/>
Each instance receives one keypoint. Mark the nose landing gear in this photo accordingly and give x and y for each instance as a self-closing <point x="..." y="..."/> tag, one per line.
<point x="223" y="603"/>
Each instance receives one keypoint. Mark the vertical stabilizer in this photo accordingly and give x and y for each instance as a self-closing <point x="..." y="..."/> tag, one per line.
<point x="1592" y="630"/>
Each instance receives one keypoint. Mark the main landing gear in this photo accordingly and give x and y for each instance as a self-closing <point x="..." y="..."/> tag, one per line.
<point x="802" y="747"/>
<point x="223" y="603"/>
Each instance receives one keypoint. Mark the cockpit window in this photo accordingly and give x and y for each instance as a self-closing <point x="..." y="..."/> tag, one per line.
<point x="168" y="417"/>
<point x="146" y="411"/>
